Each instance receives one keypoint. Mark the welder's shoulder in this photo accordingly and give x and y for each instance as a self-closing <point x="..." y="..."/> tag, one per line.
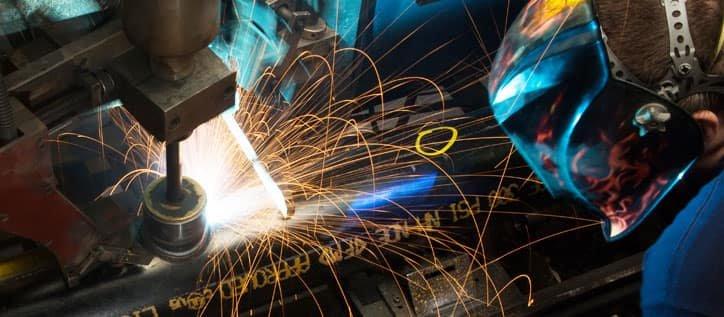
<point x="684" y="270"/>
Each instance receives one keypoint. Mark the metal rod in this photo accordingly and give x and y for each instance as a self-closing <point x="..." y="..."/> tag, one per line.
<point x="174" y="194"/>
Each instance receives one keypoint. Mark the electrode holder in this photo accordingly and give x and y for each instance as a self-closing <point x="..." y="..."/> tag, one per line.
<point x="171" y="110"/>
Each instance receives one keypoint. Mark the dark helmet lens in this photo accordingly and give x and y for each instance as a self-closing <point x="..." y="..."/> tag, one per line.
<point x="551" y="91"/>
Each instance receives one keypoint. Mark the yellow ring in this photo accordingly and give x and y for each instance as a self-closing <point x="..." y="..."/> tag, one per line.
<point x="447" y="146"/>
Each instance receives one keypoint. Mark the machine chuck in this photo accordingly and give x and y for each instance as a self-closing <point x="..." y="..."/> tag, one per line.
<point x="175" y="231"/>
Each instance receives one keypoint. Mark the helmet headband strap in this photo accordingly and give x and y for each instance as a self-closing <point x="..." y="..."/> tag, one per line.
<point x="685" y="76"/>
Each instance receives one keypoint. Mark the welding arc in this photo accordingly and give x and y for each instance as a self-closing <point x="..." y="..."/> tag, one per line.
<point x="269" y="184"/>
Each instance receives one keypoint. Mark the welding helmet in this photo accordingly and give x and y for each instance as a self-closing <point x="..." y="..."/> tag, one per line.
<point x="582" y="122"/>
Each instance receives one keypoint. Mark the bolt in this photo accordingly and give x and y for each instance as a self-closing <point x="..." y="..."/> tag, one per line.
<point x="651" y="117"/>
<point x="175" y="122"/>
<point x="685" y="68"/>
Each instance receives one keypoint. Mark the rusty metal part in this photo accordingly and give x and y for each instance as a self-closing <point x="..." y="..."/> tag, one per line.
<point x="172" y="110"/>
<point x="50" y="87"/>
<point x="178" y="231"/>
<point x="33" y="207"/>
<point x="170" y="32"/>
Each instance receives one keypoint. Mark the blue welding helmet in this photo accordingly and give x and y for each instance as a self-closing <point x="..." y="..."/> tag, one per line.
<point x="614" y="146"/>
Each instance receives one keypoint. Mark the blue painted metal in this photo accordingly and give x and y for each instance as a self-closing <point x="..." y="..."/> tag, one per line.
<point x="16" y="16"/>
<point x="343" y="16"/>
<point x="249" y="39"/>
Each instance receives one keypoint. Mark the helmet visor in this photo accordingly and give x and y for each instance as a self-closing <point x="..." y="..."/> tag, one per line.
<point x="551" y="91"/>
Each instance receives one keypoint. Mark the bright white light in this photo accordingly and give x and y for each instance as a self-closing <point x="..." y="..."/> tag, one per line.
<point x="232" y="207"/>
<point x="246" y="147"/>
<point x="238" y="189"/>
<point x="220" y="157"/>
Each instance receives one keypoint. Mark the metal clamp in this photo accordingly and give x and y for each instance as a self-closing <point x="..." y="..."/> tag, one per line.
<point x="686" y="75"/>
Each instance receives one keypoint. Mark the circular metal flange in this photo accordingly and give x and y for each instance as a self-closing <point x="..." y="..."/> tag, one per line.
<point x="175" y="232"/>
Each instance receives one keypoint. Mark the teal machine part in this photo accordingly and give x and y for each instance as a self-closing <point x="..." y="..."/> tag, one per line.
<point x="249" y="40"/>
<point x="17" y="16"/>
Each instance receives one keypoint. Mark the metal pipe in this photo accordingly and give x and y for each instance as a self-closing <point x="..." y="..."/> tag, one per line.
<point x="174" y="194"/>
<point x="8" y="129"/>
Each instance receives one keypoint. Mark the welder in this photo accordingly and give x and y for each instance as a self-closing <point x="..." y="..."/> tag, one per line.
<point x="617" y="104"/>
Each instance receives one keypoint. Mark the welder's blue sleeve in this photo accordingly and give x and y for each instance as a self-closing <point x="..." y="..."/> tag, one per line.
<point x="683" y="272"/>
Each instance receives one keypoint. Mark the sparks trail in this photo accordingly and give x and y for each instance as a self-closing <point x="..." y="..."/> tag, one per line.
<point x="344" y="176"/>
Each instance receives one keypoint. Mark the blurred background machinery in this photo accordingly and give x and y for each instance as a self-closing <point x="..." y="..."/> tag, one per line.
<point x="63" y="63"/>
